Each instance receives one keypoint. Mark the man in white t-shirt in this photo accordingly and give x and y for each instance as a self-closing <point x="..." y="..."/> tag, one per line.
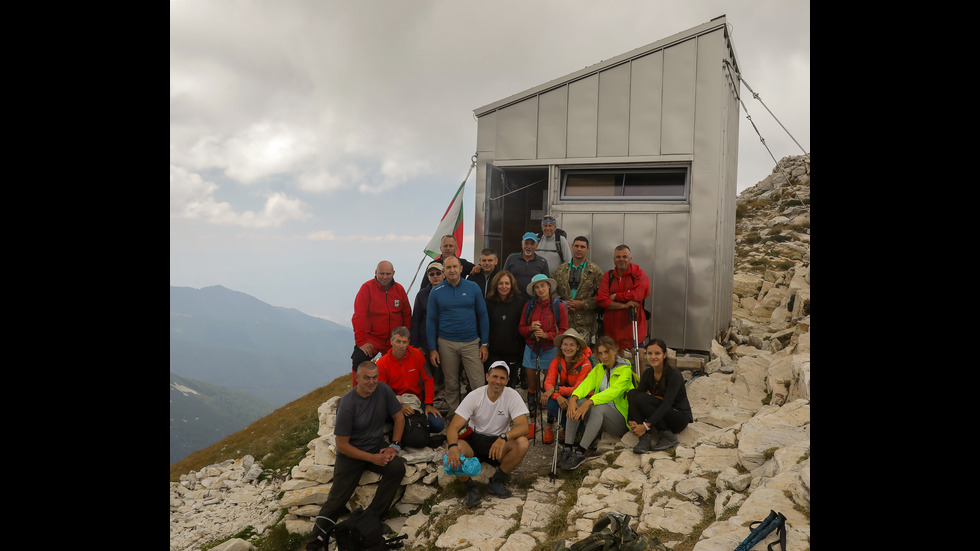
<point x="498" y="416"/>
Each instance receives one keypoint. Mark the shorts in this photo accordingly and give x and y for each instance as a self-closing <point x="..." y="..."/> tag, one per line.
<point x="547" y="354"/>
<point x="481" y="446"/>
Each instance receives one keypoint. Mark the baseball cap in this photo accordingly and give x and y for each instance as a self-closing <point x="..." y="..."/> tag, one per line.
<point x="501" y="364"/>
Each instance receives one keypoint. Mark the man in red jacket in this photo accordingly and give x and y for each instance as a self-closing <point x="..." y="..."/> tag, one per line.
<point x="403" y="369"/>
<point x="624" y="288"/>
<point x="380" y="306"/>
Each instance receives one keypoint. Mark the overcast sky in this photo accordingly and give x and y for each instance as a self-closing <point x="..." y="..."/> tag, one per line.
<point x="310" y="139"/>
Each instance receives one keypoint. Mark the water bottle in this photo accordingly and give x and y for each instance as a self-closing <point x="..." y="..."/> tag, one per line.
<point x="470" y="466"/>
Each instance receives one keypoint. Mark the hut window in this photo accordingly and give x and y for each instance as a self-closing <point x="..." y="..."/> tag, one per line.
<point x="656" y="184"/>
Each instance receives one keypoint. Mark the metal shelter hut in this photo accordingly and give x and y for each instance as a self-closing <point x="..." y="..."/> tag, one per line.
<point x="639" y="149"/>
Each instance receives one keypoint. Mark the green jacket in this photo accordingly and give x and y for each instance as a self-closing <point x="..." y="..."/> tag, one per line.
<point x="620" y="382"/>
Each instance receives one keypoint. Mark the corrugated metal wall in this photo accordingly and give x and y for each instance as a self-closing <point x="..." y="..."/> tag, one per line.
<point x="668" y="103"/>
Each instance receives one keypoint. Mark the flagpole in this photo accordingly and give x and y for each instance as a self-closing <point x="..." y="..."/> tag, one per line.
<point x="467" y="177"/>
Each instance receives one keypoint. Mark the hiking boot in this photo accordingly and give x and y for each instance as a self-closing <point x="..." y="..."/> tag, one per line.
<point x="561" y="434"/>
<point x="645" y="444"/>
<point x="574" y="459"/>
<point x="549" y="436"/>
<point x="563" y="456"/>
<point x="473" y="497"/>
<point x="665" y="441"/>
<point x="497" y="488"/>
<point x="530" y="432"/>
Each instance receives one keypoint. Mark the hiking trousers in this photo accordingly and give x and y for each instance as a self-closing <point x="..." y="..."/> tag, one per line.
<point x="603" y="417"/>
<point x="347" y="473"/>
<point x="643" y="405"/>
<point x="452" y="354"/>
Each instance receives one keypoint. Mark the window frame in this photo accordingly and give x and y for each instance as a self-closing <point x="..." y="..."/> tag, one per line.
<point x="621" y="173"/>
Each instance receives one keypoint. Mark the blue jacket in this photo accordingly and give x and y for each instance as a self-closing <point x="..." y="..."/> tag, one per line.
<point x="457" y="314"/>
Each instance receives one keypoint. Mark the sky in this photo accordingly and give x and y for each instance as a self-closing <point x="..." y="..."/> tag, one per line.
<point x="311" y="139"/>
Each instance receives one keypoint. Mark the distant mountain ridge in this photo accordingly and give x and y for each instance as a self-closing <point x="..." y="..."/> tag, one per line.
<point x="257" y="352"/>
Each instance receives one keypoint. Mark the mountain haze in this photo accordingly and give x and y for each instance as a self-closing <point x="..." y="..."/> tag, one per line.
<point x="240" y="358"/>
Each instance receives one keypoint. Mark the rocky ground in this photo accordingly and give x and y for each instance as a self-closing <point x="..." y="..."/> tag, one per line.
<point x="747" y="453"/>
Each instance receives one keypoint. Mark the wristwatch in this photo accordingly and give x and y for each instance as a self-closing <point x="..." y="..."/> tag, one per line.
<point x="397" y="444"/>
<point x="504" y="436"/>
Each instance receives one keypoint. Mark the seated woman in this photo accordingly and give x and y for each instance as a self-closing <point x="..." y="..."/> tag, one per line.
<point x="570" y="367"/>
<point x="605" y="410"/>
<point x="658" y="402"/>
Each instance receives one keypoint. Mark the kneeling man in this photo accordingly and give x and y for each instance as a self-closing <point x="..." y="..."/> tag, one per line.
<point x="498" y="416"/>
<point x="359" y="429"/>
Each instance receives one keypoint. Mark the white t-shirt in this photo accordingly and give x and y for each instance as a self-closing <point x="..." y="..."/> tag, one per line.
<point x="491" y="418"/>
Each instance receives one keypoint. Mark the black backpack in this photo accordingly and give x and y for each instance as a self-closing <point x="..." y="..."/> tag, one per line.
<point x="613" y="532"/>
<point x="416" y="433"/>
<point x="559" y="235"/>
<point x="361" y="531"/>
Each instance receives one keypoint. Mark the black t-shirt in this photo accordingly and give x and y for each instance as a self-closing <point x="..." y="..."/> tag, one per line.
<point x="363" y="419"/>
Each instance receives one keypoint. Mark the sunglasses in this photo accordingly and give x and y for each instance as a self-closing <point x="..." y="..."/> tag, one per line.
<point x="432" y="273"/>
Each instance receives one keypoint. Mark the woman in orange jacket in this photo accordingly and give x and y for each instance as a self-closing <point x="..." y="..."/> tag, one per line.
<point x="570" y="366"/>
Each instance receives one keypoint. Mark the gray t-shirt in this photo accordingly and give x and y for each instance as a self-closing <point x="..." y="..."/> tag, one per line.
<point x="363" y="419"/>
<point x="548" y="249"/>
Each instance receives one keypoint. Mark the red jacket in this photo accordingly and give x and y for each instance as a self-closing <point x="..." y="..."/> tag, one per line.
<point x="633" y="285"/>
<point x="377" y="312"/>
<point x="544" y="313"/>
<point x="407" y="375"/>
<point x="564" y="379"/>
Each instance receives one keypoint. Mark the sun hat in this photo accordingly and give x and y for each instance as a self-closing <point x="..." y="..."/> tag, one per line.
<point x="573" y="334"/>
<point x="436" y="265"/>
<point x="539" y="278"/>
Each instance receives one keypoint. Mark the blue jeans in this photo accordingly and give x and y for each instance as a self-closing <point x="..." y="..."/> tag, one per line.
<point x="553" y="409"/>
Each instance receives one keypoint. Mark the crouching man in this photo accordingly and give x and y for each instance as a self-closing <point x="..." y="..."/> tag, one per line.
<point x="498" y="416"/>
<point x="359" y="429"/>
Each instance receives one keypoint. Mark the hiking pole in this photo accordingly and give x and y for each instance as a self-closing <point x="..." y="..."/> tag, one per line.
<point x="554" y="460"/>
<point x="636" y="343"/>
<point x="537" y="369"/>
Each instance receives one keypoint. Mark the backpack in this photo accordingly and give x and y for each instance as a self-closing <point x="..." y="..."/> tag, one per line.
<point x="361" y="531"/>
<point x="554" y="307"/>
<point x="559" y="235"/>
<point x="416" y="433"/>
<point x="610" y="532"/>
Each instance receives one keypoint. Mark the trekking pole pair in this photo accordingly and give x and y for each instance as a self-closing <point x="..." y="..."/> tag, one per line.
<point x="636" y="343"/>
<point x="775" y="521"/>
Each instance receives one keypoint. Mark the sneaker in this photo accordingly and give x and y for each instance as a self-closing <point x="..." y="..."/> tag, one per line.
<point x="549" y="435"/>
<point x="473" y="497"/>
<point x="563" y="456"/>
<point x="666" y="441"/>
<point x="645" y="443"/>
<point x="530" y="432"/>
<point x="497" y="488"/>
<point x="574" y="460"/>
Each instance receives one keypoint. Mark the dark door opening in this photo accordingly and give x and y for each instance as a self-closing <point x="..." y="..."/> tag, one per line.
<point x="514" y="205"/>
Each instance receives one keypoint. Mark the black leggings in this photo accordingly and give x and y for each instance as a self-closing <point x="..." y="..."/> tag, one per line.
<point x="642" y="406"/>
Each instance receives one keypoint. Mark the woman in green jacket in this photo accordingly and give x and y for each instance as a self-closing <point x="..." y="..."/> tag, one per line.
<point x="606" y="408"/>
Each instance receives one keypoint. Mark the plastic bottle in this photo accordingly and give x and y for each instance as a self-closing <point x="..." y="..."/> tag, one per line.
<point x="470" y="466"/>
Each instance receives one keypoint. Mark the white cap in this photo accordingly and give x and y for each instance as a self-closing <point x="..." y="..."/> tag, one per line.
<point x="501" y="364"/>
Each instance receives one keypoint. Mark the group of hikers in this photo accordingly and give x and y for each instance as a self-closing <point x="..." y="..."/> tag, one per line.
<point x="548" y="323"/>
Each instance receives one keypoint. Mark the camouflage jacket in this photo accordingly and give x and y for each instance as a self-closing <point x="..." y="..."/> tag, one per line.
<point x="584" y="319"/>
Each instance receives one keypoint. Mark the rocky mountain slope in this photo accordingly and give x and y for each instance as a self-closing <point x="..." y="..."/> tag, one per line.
<point x="747" y="453"/>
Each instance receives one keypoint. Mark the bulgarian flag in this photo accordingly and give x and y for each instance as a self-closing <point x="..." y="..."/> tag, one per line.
<point x="451" y="224"/>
